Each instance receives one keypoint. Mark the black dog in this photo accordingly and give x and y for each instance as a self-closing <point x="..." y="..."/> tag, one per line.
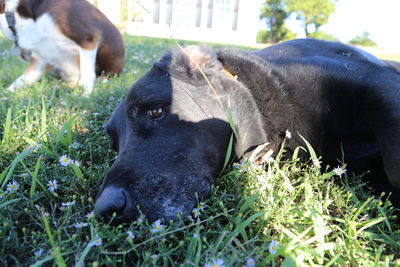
<point x="172" y="129"/>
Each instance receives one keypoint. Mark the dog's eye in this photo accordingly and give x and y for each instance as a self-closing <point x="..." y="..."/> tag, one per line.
<point x="156" y="113"/>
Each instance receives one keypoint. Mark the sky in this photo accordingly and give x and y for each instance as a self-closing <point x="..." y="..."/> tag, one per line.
<point x="381" y="18"/>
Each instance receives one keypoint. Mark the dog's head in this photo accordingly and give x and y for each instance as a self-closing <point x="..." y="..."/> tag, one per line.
<point x="172" y="133"/>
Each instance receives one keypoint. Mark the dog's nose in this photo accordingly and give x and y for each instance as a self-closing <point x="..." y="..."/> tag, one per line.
<point x="112" y="203"/>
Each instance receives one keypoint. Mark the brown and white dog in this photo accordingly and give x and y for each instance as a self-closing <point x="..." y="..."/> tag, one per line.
<point x="69" y="38"/>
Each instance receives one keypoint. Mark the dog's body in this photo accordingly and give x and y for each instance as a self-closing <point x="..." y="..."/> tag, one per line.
<point x="172" y="130"/>
<point x="70" y="38"/>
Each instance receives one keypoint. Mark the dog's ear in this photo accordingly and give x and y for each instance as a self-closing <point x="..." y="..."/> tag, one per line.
<point x="189" y="62"/>
<point x="26" y="9"/>
<point x="199" y="57"/>
<point x="251" y="70"/>
<point x="2" y="6"/>
<point x="262" y="90"/>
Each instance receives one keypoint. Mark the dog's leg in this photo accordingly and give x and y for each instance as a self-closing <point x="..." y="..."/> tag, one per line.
<point x="32" y="74"/>
<point x="87" y="59"/>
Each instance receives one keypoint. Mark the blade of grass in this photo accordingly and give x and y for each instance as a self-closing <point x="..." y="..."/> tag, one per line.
<point x="310" y="149"/>
<point x="56" y="250"/>
<point x="7" y="127"/>
<point x="248" y="202"/>
<point x="77" y="171"/>
<point x="20" y="157"/>
<point x="193" y="246"/>
<point x="228" y="153"/>
<point x="9" y="202"/>
<point x="32" y="174"/>
<point x="34" y="179"/>
<point x="83" y="255"/>
<point x="233" y="127"/>
<point x="241" y="227"/>
<point x="43" y="122"/>
<point x="3" y="174"/>
<point x="66" y="126"/>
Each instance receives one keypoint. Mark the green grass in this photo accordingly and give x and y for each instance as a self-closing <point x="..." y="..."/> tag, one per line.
<point x="316" y="217"/>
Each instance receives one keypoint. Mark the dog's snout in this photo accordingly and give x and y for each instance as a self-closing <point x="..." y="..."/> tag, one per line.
<point x="112" y="203"/>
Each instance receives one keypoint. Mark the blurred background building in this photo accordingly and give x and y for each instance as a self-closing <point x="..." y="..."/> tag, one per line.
<point x="224" y="21"/>
<point x="245" y="22"/>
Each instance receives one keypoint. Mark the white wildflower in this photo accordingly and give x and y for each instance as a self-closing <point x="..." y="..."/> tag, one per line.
<point x="273" y="247"/>
<point x="157" y="227"/>
<point x="339" y="171"/>
<point x="52" y="184"/>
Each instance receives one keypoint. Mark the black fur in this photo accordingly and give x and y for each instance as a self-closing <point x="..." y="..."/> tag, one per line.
<point x="334" y="95"/>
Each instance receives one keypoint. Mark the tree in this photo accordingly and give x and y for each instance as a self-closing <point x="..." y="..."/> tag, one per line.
<point x="275" y="14"/>
<point x="312" y="13"/>
<point x="363" y="40"/>
<point x="324" y="36"/>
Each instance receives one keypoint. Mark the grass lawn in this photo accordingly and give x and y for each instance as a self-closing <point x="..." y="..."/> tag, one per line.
<point x="289" y="214"/>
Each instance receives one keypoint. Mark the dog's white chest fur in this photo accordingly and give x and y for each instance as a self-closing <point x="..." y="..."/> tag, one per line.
<point x="43" y="38"/>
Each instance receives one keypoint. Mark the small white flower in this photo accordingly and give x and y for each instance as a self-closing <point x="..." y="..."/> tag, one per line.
<point x="141" y="218"/>
<point x="202" y="206"/>
<point x="64" y="160"/>
<point x="195" y="235"/>
<point x="97" y="242"/>
<point x="12" y="186"/>
<point x="95" y="113"/>
<point x="273" y="247"/>
<point x="157" y="227"/>
<point x="90" y="215"/>
<point x="317" y="163"/>
<point x="76" y="163"/>
<point x="4" y="98"/>
<point x="242" y="167"/>
<point x="236" y="165"/>
<point x="38" y="253"/>
<point x="131" y="236"/>
<point x="105" y="80"/>
<point x="80" y="225"/>
<point x="2" y="194"/>
<point x="288" y="134"/>
<point x="74" y="145"/>
<point x="339" y="171"/>
<point x="52" y="184"/>
<point x="250" y="262"/>
<point x="25" y="174"/>
<point x="35" y="145"/>
<point x="154" y="257"/>
<point x="196" y="212"/>
<point x="68" y="203"/>
<point x="215" y="263"/>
